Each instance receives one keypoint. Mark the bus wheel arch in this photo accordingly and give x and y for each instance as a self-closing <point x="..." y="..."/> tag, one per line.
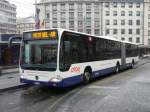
<point x="87" y="75"/>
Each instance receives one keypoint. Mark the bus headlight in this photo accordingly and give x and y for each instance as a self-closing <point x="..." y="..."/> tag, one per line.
<point x="21" y="77"/>
<point x="56" y="79"/>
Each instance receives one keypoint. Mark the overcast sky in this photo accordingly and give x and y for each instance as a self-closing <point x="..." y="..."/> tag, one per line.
<point x="25" y="8"/>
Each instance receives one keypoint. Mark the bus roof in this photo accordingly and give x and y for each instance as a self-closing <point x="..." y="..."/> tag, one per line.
<point x="104" y="37"/>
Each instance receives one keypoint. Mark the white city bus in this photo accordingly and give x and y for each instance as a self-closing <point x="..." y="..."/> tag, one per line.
<point x="61" y="58"/>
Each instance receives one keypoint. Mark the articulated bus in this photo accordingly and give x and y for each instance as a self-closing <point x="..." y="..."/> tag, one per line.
<point x="61" y="58"/>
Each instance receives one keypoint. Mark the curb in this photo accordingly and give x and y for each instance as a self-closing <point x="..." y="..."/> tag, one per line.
<point x="5" y="73"/>
<point x="14" y="87"/>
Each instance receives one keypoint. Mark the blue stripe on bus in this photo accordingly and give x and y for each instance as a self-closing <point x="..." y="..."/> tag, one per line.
<point x="103" y="72"/>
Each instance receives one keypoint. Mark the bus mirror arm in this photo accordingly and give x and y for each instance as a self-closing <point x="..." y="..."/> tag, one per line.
<point x="13" y="38"/>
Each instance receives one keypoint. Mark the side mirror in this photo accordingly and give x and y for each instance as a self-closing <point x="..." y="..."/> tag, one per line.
<point x="14" y="39"/>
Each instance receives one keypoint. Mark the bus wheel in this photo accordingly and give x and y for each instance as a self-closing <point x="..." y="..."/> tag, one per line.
<point x="86" y="77"/>
<point x="132" y="65"/>
<point x="117" y="68"/>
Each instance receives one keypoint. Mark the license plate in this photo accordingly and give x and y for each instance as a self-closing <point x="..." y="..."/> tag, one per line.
<point x="36" y="83"/>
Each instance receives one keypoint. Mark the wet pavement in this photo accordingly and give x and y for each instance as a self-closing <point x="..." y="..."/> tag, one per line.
<point x="127" y="91"/>
<point x="30" y="99"/>
<point x="10" y="81"/>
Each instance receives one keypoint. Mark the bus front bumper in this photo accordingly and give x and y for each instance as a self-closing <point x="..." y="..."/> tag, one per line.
<point x="49" y="83"/>
<point x="55" y="82"/>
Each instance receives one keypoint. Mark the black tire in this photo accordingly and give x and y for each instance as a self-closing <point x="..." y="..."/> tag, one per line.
<point x="117" y="68"/>
<point x="132" y="64"/>
<point x="86" y="77"/>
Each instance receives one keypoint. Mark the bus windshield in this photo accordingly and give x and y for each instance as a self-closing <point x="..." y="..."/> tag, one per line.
<point x="39" y="54"/>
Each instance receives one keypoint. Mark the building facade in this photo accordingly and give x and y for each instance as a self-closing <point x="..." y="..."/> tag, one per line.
<point x="122" y="19"/>
<point x="147" y="21"/>
<point x="25" y="24"/>
<point x="7" y="17"/>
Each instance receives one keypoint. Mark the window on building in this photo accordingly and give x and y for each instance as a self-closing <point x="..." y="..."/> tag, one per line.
<point x="47" y="16"/>
<point x="130" y="39"/>
<point x="80" y="15"/>
<point x="115" y="31"/>
<point x="63" y="24"/>
<point x="137" y="39"/>
<point x="71" y="15"/>
<point x="122" y="38"/>
<point x="88" y="31"/>
<point x="122" y="31"/>
<point x="115" y="4"/>
<point x="107" y="31"/>
<point x="62" y="7"/>
<point x="130" y="31"/>
<point x="80" y="23"/>
<point x="130" y="5"/>
<point x="107" y="13"/>
<point x="96" y="23"/>
<point x="148" y="32"/>
<point x="138" y="31"/>
<point x="130" y="22"/>
<point x="115" y="22"/>
<point x="137" y="13"/>
<point x="130" y="13"/>
<point x="88" y="23"/>
<point x="71" y="6"/>
<point x="114" y="13"/>
<point x="88" y="15"/>
<point x="54" y="15"/>
<point x="137" y="22"/>
<point x="122" y="13"/>
<point x="122" y="22"/>
<point x="80" y="6"/>
<point x="97" y="32"/>
<point x="96" y="6"/>
<point x="47" y="7"/>
<point x="123" y="5"/>
<point x="62" y="14"/>
<point x="148" y="16"/>
<point x="148" y="24"/>
<point x="107" y="22"/>
<point x="88" y="6"/>
<point x="54" y="6"/>
<point x="96" y="15"/>
<point x="54" y="24"/>
<point x="107" y="4"/>
<point x="71" y="24"/>
<point x="80" y="30"/>
<point x="148" y="41"/>
<point x="137" y="5"/>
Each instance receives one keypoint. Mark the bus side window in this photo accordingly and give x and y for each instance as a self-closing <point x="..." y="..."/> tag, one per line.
<point x="67" y="46"/>
<point x="66" y="54"/>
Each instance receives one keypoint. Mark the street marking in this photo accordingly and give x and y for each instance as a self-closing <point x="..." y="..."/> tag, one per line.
<point x="102" y="87"/>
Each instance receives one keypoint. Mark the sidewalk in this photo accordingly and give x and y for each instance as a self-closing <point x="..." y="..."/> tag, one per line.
<point x="9" y="69"/>
<point x="143" y="61"/>
<point x="10" y="80"/>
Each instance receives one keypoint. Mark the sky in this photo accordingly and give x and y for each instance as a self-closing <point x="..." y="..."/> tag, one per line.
<point x="25" y="8"/>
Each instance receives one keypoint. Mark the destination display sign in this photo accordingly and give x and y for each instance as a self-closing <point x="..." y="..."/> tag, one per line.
<point x="40" y="35"/>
